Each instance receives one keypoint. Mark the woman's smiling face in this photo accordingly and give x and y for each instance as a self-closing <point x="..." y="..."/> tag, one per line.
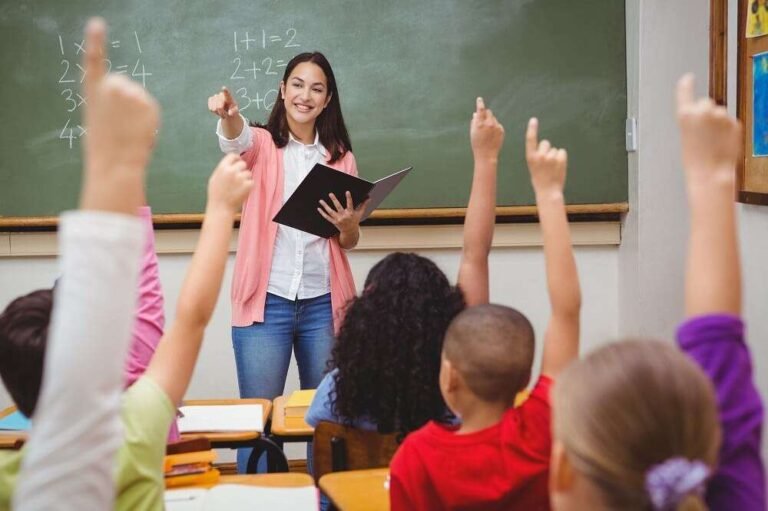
<point x="305" y="93"/>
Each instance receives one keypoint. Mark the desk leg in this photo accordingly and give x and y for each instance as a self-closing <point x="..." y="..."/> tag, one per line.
<point x="276" y="459"/>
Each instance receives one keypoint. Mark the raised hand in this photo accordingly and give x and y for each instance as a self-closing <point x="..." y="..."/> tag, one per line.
<point x="223" y="104"/>
<point x="546" y="164"/>
<point x="486" y="133"/>
<point x="711" y="139"/>
<point x="229" y="184"/>
<point x="121" y="119"/>
<point x="345" y="218"/>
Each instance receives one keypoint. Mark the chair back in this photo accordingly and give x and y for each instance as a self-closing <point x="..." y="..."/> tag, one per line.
<point x="336" y="448"/>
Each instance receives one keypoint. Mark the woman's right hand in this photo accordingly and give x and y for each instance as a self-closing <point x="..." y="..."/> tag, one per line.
<point x="223" y="104"/>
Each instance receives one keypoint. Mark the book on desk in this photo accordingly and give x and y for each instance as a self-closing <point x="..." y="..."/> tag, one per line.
<point x="296" y="407"/>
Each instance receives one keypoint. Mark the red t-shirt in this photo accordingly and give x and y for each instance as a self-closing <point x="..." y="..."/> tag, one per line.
<point x="505" y="466"/>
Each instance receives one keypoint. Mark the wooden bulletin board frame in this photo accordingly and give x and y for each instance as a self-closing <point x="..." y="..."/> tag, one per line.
<point x="751" y="173"/>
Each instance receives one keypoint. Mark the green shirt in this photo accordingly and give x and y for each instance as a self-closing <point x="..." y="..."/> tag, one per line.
<point x="147" y="413"/>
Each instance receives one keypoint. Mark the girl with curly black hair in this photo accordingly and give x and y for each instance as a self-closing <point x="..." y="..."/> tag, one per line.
<point x="386" y="360"/>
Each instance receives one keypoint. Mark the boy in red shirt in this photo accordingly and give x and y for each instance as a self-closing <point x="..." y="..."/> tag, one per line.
<point x="498" y="458"/>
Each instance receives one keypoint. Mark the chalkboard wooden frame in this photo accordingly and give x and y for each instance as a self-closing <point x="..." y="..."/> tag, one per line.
<point x="746" y="48"/>
<point x="600" y="212"/>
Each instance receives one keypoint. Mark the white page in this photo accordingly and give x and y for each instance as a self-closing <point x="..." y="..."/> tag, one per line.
<point x="191" y="499"/>
<point x="382" y="188"/>
<point x="238" y="497"/>
<point x="221" y="418"/>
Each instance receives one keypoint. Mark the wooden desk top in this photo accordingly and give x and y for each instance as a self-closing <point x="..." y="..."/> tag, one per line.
<point x="281" y="480"/>
<point x="235" y="436"/>
<point x="8" y="439"/>
<point x="278" y="421"/>
<point x="357" y="489"/>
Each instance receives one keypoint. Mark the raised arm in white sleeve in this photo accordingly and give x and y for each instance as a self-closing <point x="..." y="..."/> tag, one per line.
<point x="76" y="429"/>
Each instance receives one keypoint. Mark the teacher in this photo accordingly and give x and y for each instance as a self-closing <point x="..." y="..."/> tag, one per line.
<point x="289" y="286"/>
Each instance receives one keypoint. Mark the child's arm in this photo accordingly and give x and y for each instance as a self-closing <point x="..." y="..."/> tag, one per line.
<point x="487" y="136"/>
<point x="713" y="335"/>
<point x="69" y="459"/>
<point x="547" y="166"/>
<point x="172" y="366"/>
<point x="150" y="317"/>
<point x="710" y="140"/>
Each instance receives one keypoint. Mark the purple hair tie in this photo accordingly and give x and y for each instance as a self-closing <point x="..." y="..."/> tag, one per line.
<point x="670" y="482"/>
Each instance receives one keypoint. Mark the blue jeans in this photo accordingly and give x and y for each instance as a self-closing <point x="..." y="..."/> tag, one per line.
<point x="263" y="350"/>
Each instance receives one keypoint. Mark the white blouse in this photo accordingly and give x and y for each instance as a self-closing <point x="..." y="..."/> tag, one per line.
<point x="300" y="261"/>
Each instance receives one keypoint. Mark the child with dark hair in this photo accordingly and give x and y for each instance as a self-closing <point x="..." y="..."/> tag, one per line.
<point x="386" y="359"/>
<point x="77" y="420"/>
<point x="498" y="457"/>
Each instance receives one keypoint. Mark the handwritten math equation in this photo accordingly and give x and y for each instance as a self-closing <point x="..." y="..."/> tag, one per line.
<point x="256" y="69"/>
<point x="71" y="75"/>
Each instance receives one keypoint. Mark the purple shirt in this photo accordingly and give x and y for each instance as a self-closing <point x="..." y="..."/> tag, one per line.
<point x="716" y="343"/>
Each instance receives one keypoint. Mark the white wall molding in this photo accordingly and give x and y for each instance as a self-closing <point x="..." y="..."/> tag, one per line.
<point x="392" y="238"/>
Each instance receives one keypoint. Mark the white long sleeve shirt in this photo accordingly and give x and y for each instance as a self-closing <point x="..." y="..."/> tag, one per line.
<point x="300" y="261"/>
<point x="70" y="457"/>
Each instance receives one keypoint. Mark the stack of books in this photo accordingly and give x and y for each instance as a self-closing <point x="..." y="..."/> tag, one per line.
<point x="190" y="468"/>
<point x="296" y="408"/>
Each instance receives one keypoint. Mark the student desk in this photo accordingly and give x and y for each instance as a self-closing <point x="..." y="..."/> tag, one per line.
<point x="357" y="489"/>
<point x="11" y="439"/>
<point x="283" y="480"/>
<point x="276" y="459"/>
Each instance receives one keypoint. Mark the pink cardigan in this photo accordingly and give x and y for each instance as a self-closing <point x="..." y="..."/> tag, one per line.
<point x="256" y="241"/>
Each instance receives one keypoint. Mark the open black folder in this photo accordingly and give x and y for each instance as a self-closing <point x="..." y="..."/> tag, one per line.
<point x="300" y="210"/>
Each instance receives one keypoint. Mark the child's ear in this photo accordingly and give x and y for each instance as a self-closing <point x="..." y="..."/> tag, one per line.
<point x="282" y="90"/>
<point x="328" y="99"/>
<point x="561" y="474"/>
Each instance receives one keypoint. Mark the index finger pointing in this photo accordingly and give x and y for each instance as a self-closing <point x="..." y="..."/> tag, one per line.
<point x="685" y="93"/>
<point x="226" y="93"/>
<point x="532" y="136"/>
<point x="93" y="60"/>
<point x="480" y="108"/>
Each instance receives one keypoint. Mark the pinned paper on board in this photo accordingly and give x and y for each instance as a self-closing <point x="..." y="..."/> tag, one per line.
<point x="760" y="105"/>
<point x="757" y="18"/>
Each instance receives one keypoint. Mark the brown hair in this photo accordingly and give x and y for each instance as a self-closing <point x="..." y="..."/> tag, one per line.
<point x="23" y="339"/>
<point x="629" y="407"/>
<point x="492" y="347"/>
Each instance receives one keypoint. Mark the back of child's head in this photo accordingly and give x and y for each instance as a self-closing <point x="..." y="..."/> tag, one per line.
<point x="492" y="347"/>
<point x="388" y="348"/>
<point x="638" y="420"/>
<point x="23" y="339"/>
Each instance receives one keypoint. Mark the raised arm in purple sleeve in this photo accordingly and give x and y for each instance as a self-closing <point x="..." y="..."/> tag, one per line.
<point x="716" y="343"/>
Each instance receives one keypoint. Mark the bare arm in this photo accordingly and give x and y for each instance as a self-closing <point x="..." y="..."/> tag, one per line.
<point x="711" y="146"/>
<point x="548" y="166"/>
<point x="487" y="137"/>
<point x="172" y="366"/>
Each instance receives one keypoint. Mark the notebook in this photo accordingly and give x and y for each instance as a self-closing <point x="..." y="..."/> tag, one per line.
<point x="237" y="497"/>
<point x="15" y="421"/>
<point x="207" y="418"/>
<point x="300" y="210"/>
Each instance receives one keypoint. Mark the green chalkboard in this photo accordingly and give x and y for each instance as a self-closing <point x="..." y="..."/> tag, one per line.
<point x="408" y="73"/>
